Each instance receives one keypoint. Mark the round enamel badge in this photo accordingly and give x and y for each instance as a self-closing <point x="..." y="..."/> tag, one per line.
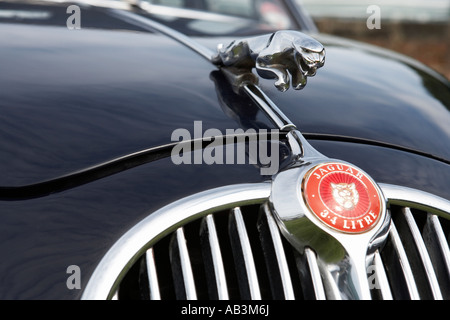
<point x="342" y="197"/>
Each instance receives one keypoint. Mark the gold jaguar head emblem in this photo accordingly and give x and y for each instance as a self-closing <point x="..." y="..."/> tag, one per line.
<point x="345" y="195"/>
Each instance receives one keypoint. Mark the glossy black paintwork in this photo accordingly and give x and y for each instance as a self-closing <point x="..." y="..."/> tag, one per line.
<point x="80" y="98"/>
<point x="68" y="100"/>
<point x="73" y="99"/>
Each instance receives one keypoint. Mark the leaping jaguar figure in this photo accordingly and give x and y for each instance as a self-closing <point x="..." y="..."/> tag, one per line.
<point x="275" y="56"/>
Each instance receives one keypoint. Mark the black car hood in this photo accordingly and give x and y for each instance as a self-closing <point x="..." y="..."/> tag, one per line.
<point x="73" y="99"/>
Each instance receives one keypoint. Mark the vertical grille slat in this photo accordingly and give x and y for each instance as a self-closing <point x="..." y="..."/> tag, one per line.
<point x="279" y="275"/>
<point x="181" y="266"/>
<point x="213" y="259"/>
<point x="438" y="249"/>
<point x="331" y="288"/>
<point x="243" y="256"/>
<point x="381" y="281"/>
<point x="400" y="268"/>
<point x="423" y="257"/>
<point x="312" y="266"/>
<point x="152" y="275"/>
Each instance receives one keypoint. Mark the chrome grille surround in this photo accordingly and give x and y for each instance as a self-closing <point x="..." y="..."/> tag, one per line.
<point x="130" y="247"/>
<point x="285" y="274"/>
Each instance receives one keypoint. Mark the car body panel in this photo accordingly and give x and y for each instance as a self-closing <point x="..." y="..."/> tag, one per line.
<point x="84" y="89"/>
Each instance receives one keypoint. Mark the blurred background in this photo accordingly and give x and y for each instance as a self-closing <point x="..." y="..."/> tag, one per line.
<point x="417" y="28"/>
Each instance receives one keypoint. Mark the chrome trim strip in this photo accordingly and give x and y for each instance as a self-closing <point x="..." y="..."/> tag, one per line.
<point x="382" y="281"/>
<point x="315" y="274"/>
<point x="404" y="263"/>
<point x="247" y="254"/>
<point x="152" y="275"/>
<point x="423" y="253"/>
<point x="185" y="264"/>
<point x="128" y="248"/>
<point x="408" y="197"/>
<point x="280" y="255"/>
<point x="219" y="272"/>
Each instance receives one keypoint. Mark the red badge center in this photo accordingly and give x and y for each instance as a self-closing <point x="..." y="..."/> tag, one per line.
<point x="342" y="197"/>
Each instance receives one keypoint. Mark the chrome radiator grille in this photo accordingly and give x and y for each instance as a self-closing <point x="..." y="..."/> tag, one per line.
<point x="232" y="254"/>
<point x="239" y="253"/>
<point x="224" y="244"/>
<point x="416" y="257"/>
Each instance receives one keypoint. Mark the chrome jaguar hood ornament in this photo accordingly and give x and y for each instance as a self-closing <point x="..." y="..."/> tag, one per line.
<point x="275" y="56"/>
